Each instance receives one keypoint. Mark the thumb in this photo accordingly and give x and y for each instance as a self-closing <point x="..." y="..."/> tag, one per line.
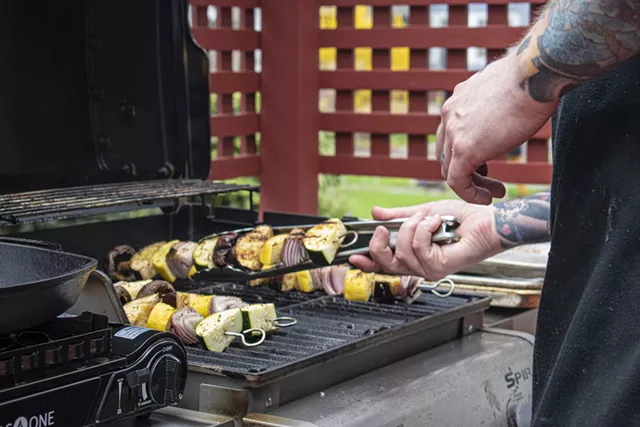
<point x="384" y="214"/>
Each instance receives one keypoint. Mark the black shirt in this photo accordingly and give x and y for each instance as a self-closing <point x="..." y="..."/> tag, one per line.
<point x="587" y="353"/>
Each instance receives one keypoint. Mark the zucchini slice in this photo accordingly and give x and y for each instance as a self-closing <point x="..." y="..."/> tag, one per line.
<point x="160" y="317"/>
<point x="259" y="316"/>
<point x="159" y="261"/>
<point x="305" y="281"/>
<point x="213" y="328"/>
<point x="358" y="286"/>
<point x="200" y="303"/>
<point x="272" y="250"/>
<point x="142" y="263"/>
<point x="138" y="310"/>
<point x="131" y="289"/>
<point x="203" y="255"/>
<point x="323" y="241"/>
<point x="247" y="249"/>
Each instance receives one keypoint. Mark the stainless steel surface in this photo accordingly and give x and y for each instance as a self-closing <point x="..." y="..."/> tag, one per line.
<point x="470" y="382"/>
<point x="445" y="233"/>
<point x="528" y="261"/>
<point x="502" y="297"/>
<point x="43" y="205"/>
<point x="524" y="320"/>
<point x="524" y="283"/>
<point x="176" y="417"/>
<point x="99" y="297"/>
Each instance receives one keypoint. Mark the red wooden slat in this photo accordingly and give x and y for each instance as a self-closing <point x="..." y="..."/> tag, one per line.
<point x="388" y="80"/>
<point x="530" y="173"/>
<point x="226" y="3"/>
<point x="414" y="123"/>
<point x="412" y="2"/>
<point x="232" y="125"/>
<point x="235" y="167"/>
<point x="229" y="82"/>
<point x="226" y="39"/>
<point x="494" y="37"/>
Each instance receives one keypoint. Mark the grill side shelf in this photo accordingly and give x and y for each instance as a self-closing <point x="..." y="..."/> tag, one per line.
<point x="45" y="205"/>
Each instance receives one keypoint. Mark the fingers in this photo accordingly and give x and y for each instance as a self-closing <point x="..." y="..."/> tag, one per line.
<point x="428" y="254"/>
<point x="459" y="178"/>
<point x="381" y="253"/>
<point x="384" y="214"/>
<point x="405" y="245"/>
<point x="440" y="142"/>
<point x="495" y="187"/>
<point x="364" y="263"/>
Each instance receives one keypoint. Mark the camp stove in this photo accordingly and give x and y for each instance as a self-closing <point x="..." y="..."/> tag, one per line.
<point x="82" y="370"/>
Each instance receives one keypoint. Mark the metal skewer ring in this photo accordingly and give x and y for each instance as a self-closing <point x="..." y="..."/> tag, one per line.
<point x="352" y="242"/>
<point x="283" y="322"/>
<point x="440" y="282"/>
<point x="263" y="336"/>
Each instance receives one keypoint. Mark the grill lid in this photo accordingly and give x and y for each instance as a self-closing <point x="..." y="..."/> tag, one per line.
<point x="98" y="92"/>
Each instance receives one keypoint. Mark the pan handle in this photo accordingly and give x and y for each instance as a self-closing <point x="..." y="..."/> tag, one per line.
<point x="30" y="242"/>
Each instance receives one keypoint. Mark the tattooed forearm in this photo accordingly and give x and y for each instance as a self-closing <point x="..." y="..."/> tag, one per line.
<point x="575" y="40"/>
<point x="523" y="221"/>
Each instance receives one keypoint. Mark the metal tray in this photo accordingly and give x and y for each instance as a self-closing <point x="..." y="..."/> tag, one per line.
<point x="529" y="261"/>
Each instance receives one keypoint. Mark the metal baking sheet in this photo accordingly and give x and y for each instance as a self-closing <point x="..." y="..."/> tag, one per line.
<point x="529" y="261"/>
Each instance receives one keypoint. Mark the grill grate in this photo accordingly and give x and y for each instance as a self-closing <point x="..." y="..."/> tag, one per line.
<point x="326" y="325"/>
<point x="43" y="205"/>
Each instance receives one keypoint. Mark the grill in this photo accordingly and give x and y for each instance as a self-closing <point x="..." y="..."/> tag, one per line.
<point x="52" y="204"/>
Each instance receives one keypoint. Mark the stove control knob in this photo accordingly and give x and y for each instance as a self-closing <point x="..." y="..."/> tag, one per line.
<point x="165" y="380"/>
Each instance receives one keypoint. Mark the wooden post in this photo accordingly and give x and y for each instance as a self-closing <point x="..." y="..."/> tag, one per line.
<point x="289" y="139"/>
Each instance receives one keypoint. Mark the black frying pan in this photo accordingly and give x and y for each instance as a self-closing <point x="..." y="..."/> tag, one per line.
<point x="38" y="282"/>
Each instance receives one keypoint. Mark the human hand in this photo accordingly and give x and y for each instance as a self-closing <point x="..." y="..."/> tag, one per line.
<point x="487" y="116"/>
<point x="414" y="252"/>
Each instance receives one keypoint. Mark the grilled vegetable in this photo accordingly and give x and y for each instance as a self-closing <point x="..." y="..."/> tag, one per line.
<point x="160" y="317"/>
<point x="293" y="251"/>
<point x="141" y="262"/>
<point x="337" y="276"/>
<point x="265" y="281"/>
<point x="221" y="303"/>
<point x="247" y="249"/>
<point x="128" y="291"/>
<point x="155" y="287"/>
<point x="289" y="282"/>
<point x="386" y="287"/>
<point x="117" y="263"/>
<point x="200" y="303"/>
<point x="409" y="290"/>
<point x="203" y="255"/>
<point x="184" y="322"/>
<point x="159" y="260"/>
<point x="222" y="251"/>
<point x="305" y="281"/>
<point x="260" y="316"/>
<point x="323" y="241"/>
<point x="169" y="298"/>
<point x="138" y="310"/>
<point x="272" y="250"/>
<point x="358" y="286"/>
<point x="213" y="328"/>
<point x="180" y="259"/>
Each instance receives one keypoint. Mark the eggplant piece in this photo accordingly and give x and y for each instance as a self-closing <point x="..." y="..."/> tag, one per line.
<point x="159" y="287"/>
<point x="323" y="241"/>
<point x="159" y="260"/>
<point x="222" y="251"/>
<point x="142" y="264"/>
<point x="180" y="259"/>
<point x="246" y="251"/>
<point x="117" y="263"/>
<point x="128" y="291"/>
<point x="386" y="287"/>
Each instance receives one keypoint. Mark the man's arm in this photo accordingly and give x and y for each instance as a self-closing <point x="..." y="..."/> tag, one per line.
<point x="575" y="40"/>
<point x="523" y="221"/>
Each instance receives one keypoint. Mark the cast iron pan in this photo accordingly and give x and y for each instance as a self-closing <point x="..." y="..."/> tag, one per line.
<point x="38" y="282"/>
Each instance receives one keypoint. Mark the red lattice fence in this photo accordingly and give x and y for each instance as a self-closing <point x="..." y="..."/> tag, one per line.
<point x="290" y="81"/>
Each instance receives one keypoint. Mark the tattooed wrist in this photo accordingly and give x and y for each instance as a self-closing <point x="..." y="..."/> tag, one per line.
<point x="523" y="221"/>
<point x="575" y="40"/>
